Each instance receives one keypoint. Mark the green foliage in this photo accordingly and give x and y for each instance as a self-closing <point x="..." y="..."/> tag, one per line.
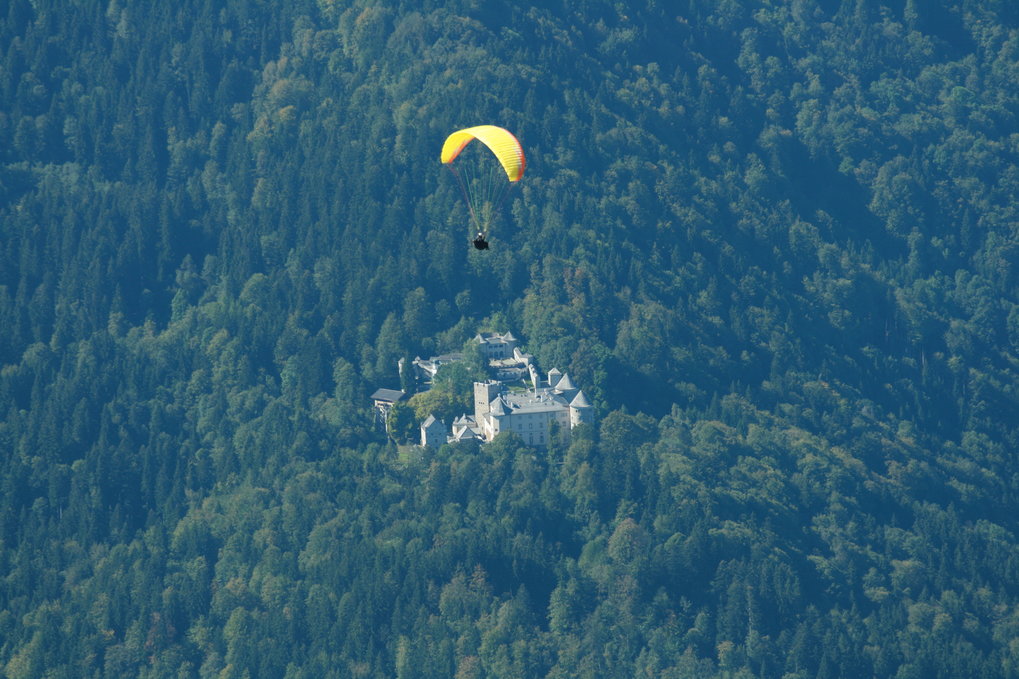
<point x="402" y="421"/>
<point x="774" y="243"/>
<point x="439" y="402"/>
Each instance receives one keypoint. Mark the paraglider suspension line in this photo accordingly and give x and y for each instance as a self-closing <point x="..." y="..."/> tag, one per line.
<point x="466" y="194"/>
<point x="484" y="195"/>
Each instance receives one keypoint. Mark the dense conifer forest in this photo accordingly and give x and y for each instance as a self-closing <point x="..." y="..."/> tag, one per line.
<point x="775" y="242"/>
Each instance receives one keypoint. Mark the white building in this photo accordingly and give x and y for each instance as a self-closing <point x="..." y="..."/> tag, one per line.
<point x="425" y="370"/>
<point x="496" y="347"/>
<point x="433" y="432"/>
<point x="501" y="353"/>
<point x="530" y="414"/>
<point x="516" y="368"/>
<point x="465" y="428"/>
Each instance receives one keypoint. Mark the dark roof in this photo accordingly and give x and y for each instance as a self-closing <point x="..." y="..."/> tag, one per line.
<point x="390" y="395"/>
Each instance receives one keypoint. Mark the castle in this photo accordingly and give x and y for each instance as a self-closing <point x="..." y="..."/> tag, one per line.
<point x="529" y="413"/>
<point x="502" y="404"/>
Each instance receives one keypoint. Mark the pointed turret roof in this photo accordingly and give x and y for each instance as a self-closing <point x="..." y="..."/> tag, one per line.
<point x="565" y="384"/>
<point x="580" y="401"/>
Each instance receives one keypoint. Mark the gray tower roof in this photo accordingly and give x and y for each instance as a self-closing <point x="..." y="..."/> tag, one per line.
<point x="498" y="407"/>
<point x="580" y="401"/>
<point x="565" y="384"/>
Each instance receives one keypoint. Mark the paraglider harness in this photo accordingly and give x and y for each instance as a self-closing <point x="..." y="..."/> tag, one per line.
<point x="480" y="242"/>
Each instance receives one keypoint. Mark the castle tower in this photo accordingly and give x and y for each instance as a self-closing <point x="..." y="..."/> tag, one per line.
<point x="484" y="394"/>
<point x="511" y="342"/>
<point x="565" y="388"/>
<point x="553" y="377"/>
<point x="581" y="411"/>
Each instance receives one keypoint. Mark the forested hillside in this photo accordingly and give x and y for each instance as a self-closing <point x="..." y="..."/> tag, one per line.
<point x="775" y="243"/>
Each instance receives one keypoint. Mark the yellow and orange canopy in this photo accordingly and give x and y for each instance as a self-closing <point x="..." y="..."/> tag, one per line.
<point x="503" y="144"/>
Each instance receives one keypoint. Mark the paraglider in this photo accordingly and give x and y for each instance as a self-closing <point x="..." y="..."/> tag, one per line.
<point x="483" y="179"/>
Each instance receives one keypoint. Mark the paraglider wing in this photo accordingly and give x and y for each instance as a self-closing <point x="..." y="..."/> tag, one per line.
<point x="479" y="175"/>
<point x="503" y="144"/>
